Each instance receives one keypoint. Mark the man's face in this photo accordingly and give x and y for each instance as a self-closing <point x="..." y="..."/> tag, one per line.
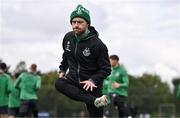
<point x="33" y="68"/>
<point x="79" y="25"/>
<point x="113" y="62"/>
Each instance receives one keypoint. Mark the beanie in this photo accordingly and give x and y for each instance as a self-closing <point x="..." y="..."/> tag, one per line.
<point x="82" y="12"/>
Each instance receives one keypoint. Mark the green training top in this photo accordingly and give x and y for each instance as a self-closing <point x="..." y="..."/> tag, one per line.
<point x="105" y="87"/>
<point x="119" y="75"/>
<point x="5" y="88"/>
<point x="28" y="83"/>
<point x="14" y="98"/>
<point x="178" y="91"/>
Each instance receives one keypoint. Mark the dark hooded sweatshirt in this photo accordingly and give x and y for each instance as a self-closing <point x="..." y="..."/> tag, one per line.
<point x="86" y="59"/>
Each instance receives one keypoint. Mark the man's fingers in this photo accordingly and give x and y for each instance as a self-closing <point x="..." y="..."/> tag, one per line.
<point x="85" y="86"/>
<point x="82" y="82"/>
<point x="91" y="88"/>
<point x="88" y="85"/>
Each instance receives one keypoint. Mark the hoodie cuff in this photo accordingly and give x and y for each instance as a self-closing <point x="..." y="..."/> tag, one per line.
<point x="92" y="81"/>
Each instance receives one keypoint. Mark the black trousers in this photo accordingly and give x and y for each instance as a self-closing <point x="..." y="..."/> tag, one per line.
<point x="76" y="92"/>
<point x="3" y="110"/>
<point x="123" y="110"/>
<point x="14" y="111"/>
<point x="27" y="107"/>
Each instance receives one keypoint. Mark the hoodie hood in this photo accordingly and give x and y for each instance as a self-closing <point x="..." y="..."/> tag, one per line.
<point x="93" y="31"/>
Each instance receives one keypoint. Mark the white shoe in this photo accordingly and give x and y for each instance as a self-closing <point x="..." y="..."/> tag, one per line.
<point x="101" y="101"/>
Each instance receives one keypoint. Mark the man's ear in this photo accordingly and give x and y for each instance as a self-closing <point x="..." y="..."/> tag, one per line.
<point x="88" y="25"/>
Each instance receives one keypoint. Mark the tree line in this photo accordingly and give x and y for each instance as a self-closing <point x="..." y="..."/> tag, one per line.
<point x="147" y="95"/>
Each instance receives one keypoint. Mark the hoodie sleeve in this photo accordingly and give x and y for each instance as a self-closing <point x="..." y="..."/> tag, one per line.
<point x="104" y="67"/>
<point x="64" y="63"/>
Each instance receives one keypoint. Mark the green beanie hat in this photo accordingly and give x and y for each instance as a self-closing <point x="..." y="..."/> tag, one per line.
<point x="82" y="12"/>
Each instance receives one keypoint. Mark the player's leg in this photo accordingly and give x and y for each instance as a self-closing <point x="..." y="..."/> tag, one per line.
<point x="13" y="112"/>
<point x="74" y="91"/>
<point x="3" y="111"/>
<point x="24" y="108"/>
<point x="106" y="111"/>
<point x="34" y="107"/>
<point x="122" y="107"/>
<point x="94" y="111"/>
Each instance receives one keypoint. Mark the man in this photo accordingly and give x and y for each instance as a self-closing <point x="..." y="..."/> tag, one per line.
<point x="5" y="88"/>
<point x="28" y="83"/>
<point x="117" y="87"/>
<point x="86" y="57"/>
<point x="178" y="92"/>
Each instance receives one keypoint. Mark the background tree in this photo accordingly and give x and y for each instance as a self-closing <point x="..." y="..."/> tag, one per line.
<point x="148" y="92"/>
<point x="20" y="67"/>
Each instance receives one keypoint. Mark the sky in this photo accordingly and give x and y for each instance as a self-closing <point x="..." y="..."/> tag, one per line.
<point x="145" y="34"/>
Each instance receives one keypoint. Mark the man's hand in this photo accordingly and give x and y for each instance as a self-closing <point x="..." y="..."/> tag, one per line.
<point x="115" y="85"/>
<point x="88" y="85"/>
<point x="61" y="75"/>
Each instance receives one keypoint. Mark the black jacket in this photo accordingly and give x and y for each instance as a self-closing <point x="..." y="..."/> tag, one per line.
<point x="87" y="59"/>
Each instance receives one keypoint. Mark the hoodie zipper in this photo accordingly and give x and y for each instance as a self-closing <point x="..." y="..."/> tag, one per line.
<point x="75" y="53"/>
<point x="78" y="69"/>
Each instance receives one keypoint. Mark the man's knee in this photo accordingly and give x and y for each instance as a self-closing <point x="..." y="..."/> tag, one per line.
<point x="59" y="84"/>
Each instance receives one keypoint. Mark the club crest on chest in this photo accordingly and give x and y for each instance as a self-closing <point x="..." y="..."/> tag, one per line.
<point x="86" y="52"/>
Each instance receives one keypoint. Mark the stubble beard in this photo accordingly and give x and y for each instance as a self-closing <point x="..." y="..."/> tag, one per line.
<point x="79" y="32"/>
